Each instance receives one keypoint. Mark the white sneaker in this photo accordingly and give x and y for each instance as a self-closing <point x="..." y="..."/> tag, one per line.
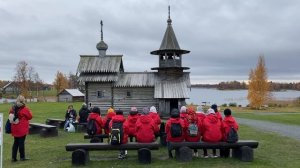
<point x="196" y="154"/>
<point x="215" y="156"/>
<point x="205" y="156"/>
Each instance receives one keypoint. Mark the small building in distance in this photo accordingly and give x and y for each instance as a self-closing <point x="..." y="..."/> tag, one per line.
<point x="70" y="95"/>
<point x="106" y="84"/>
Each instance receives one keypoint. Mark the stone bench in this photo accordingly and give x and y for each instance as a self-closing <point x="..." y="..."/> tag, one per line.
<point x="80" y="154"/>
<point x="43" y="129"/>
<point x="242" y="150"/>
<point x="56" y="122"/>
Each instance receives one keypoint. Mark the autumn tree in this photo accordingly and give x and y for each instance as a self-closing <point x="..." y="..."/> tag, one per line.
<point x="61" y="81"/>
<point x="258" y="89"/>
<point x="22" y="77"/>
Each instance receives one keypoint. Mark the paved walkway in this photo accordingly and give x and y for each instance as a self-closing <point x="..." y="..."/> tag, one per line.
<point x="282" y="129"/>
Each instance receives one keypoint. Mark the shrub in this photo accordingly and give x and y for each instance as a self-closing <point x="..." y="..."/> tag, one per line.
<point x="224" y="105"/>
<point x="232" y="104"/>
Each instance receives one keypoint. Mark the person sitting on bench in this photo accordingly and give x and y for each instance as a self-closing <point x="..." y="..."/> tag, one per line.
<point x="131" y="122"/>
<point x="70" y="116"/>
<point x="83" y="113"/>
<point x="175" y="128"/>
<point x="146" y="127"/>
<point x="98" y="124"/>
<point x="110" y="113"/>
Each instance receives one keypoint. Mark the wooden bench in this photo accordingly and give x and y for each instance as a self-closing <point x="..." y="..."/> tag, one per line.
<point x="243" y="149"/>
<point x="80" y="127"/>
<point x="80" y="155"/>
<point x="43" y="129"/>
<point x="56" y="122"/>
<point x="96" y="138"/>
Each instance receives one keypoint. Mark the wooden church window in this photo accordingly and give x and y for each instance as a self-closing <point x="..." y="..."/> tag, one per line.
<point x="100" y="94"/>
<point x="128" y="94"/>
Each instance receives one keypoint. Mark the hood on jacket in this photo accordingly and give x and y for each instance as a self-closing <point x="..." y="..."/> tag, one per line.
<point x="145" y="119"/>
<point x="93" y="115"/>
<point x="153" y="109"/>
<point x="212" y="118"/>
<point x="118" y="118"/>
<point x="229" y="119"/>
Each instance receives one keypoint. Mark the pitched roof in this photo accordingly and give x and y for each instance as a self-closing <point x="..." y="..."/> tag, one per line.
<point x="97" y="77"/>
<point x="136" y="79"/>
<point x="73" y="92"/>
<point x="94" y="63"/>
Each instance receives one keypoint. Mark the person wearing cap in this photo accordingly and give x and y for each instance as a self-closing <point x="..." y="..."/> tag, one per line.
<point x="110" y="113"/>
<point x="175" y="119"/>
<point x="154" y="115"/>
<point x="19" y="116"/>
<point x="184" y="117"/>
<point x="146" y="127"/>
<point x="119" y="117"/>
<point x="83" y="113"/>
<point x="96" y="115"/>
<point x="131" y="122"/>
<point x="200" y="114"/>
<point x="212" y="130"/>
<point x="215" y="108"/>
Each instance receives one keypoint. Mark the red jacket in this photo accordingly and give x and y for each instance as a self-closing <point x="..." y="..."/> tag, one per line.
<point x="184" y="118"/>
<point x="168" y="130"/>
<point x="201" y="116"/>
<point x="131" y="122"/>
<point x="22" y="128"/>
<point x="97" y="117"/>
<point x="155" y="118"/>
<point x="189" y="138"/>
<point x="145" y="129"/>
<point x="227" y="123"/>
<point x="107" y="117"/>
<point x="212" y="129"/>
<point x="121" y="118"/>
<point x="219" y="115"/>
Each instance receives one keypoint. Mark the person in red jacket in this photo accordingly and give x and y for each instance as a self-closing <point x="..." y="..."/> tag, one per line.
<point x="212" y="131"/>
<point x="228" y="122"/>
<point x="215" y="108"/>
<point x="96" y="115"/>
<point x="107" y="119"/>
<point x="200" y="114"/>
<point x="120" y="118"/>
<point x="193" y="128"/>
<point x="156" y="118"/>
<point x="19" y="116"/>
<point x="131" y="122"/>
<point x="175" y="129"/>
<point x="146" y="127"/>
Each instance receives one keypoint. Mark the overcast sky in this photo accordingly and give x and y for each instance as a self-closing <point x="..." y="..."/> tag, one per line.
<point x="225" y="37"/>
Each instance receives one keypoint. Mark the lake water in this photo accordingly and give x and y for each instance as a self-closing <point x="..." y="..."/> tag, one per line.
<point x="211" y="96"/>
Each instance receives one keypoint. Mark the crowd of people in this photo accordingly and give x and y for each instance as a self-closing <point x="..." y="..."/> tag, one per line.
<point x="186" y="124"/>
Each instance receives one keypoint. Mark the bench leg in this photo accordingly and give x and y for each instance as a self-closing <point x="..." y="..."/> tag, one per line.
<point x="184" y="154"/>
<point x="243" y="153"/>
<point x="80" y="157"/>
<point x="144" y="155"/>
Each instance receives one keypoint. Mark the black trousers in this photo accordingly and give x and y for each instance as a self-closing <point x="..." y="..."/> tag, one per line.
<point x="19" y="143"/>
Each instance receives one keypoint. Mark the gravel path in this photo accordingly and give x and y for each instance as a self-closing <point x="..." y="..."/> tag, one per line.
<point x="282" y="129"/>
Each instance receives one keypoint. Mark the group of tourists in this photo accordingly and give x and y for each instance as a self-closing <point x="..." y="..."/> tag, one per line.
<point x="186" y="124"/>
<point x="194" y="126"/>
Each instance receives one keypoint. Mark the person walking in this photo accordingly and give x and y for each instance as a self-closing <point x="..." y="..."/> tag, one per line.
<point x="19" y="116"/>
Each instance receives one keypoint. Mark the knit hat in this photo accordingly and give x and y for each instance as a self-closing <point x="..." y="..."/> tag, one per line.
<point x="96" y="110"/>
<point x="214" y="107"/>
<point x="20" y="101"/>
<point x="153" y="109"/>
<point x="119" y="112"/>
<point x="145" y="111"/>
<point x="133" y="110"/>
<point x="175" y="113"/>
<point x="210" y="111"/>
<point x="110" y="110"/>
<point x="183" y="109"/>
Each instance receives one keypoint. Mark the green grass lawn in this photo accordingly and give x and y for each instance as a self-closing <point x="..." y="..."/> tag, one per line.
<point x="273" y="150"/>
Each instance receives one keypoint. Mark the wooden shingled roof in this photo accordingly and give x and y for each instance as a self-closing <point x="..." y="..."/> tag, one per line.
<point x="96" y="64"/>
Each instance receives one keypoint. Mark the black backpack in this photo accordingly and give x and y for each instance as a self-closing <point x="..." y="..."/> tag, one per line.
<point x="232" y="136"/>
<point x="116" y="134"/>
<point x="176" y="130"/>
<point x="91" y="127"/>
<point x="8" y="127"/>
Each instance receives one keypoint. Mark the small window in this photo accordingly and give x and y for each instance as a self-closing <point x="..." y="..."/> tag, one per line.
<point x="128" y="94"/>
<point x="100" y="94"/>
